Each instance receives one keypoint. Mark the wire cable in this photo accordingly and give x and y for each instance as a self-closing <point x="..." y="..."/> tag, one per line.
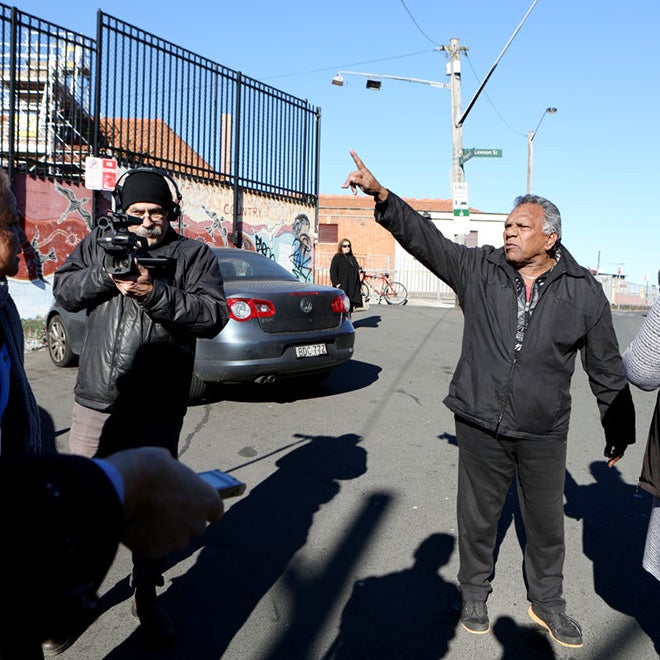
<point x="412" y="18"/>
<point x="344" y="66"/>
<point x="497" y="112"/>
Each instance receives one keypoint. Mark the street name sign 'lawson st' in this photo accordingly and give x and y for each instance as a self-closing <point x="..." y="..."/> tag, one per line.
<point x="479" y="153"/>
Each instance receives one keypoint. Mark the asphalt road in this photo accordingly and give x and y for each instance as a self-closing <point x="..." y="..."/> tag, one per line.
<point x="343" y="546"/>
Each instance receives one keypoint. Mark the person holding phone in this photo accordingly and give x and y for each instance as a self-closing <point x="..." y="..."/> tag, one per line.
<point x="62" y="518"/>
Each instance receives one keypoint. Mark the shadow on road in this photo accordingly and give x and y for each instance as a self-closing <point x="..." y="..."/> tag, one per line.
<point x="615" y="516"/>
<point x="409" y="614"/>
<point x="521" y="642"/>
<point x="252" y="546"/>
<point x="368" y="321"/>
<point x="348" y="377"/>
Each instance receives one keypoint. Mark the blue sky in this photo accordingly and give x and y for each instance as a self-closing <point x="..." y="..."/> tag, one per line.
<point x="596" y="62"/>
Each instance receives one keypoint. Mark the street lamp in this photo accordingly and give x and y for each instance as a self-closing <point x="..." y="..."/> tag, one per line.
<point x="374" y="83"/>
<point x="530" y="147"/>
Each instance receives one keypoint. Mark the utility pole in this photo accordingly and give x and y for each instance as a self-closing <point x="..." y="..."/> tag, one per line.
<point x="459" y="189"/>
<point x="454" y="50"/>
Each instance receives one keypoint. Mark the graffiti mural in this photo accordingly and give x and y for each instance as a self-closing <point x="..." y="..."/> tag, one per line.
<point x="301" y="256"/>
<point x="59" y="215"/>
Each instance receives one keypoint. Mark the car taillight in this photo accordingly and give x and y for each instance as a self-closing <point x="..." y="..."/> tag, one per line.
<point x="244" y="309"/>
<point x="341" y="304"/>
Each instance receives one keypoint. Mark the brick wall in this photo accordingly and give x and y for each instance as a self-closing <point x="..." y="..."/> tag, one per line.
<point x="354" y="216"/>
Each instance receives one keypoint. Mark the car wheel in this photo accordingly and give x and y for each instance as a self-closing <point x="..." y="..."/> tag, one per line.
<point x="59" y="347"/>
<point x="198" y="388"/>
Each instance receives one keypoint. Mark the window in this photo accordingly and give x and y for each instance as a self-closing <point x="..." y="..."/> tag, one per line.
<point x="328" y="233"/>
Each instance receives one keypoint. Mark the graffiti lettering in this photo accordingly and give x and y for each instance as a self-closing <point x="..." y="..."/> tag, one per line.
<point x="251" y="211"/>
<point x="263" y="248"/>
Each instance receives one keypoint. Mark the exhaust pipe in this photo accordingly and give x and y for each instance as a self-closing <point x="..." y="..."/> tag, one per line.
<point x="265" y="380"/>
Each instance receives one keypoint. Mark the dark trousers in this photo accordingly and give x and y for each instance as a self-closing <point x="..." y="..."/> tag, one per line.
<point x="487" y="464"/>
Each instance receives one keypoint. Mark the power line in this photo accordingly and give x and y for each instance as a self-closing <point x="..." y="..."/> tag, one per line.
<point x="497" y="112"/>
<point x="412" y="18"/>
<point x="344" y="66"/>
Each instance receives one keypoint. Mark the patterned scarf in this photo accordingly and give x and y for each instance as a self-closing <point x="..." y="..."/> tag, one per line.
<point x="13" y="331"/>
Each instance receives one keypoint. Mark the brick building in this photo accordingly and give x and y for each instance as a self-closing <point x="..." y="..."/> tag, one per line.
<point x="352" y="217"/>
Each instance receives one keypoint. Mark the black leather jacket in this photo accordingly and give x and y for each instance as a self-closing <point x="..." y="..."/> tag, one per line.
<point x="523" y="395"/>
<point x="187" y="301"/>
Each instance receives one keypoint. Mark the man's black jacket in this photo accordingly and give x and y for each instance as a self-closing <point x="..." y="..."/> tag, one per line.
<point x="524" y="394"/>
<point x="187" y="301"/>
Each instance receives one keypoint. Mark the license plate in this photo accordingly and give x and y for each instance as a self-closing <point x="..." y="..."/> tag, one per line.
<point x="311" y="351"/>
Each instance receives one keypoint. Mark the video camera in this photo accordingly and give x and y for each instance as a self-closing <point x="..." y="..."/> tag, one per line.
<point x="122" y="247"/>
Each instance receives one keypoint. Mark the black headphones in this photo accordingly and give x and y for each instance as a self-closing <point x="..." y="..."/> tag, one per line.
<point x="176" y="197"/>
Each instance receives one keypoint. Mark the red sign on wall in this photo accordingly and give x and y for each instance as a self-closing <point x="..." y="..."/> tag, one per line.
<point x="100" y="173"/>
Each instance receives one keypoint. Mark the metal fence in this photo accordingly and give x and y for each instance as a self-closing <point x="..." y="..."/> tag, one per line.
<point x="623" y="294"/>
<point x="156" y="103"/>
<point x="46" y="96"/>
<point x="172" y="108"/>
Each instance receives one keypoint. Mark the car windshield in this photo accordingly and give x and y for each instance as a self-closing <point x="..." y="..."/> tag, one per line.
<point x="245" y="265"/>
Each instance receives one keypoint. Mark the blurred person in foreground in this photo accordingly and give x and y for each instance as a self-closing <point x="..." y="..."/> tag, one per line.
<point x="528" y="308"/>
<point x="642" y="363"/>
<point x="137" y="360"/>
<point x="20" y="430"/>
<point x="62" y="518"/>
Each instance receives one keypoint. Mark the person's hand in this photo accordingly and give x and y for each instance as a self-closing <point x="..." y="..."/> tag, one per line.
<point x="363" y="179"/>
<point x="134" y="284"/>
<point x="165" y="502"/>
<point x="614" y="453"/>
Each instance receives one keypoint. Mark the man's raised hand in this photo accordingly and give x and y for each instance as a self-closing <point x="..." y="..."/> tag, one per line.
<point x="363" y="179"/>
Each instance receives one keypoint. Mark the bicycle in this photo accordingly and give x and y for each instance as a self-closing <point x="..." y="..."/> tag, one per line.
<point x="394" y="293"/>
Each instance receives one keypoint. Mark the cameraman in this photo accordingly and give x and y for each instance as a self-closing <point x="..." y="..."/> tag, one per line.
<point x="137" y="358"/>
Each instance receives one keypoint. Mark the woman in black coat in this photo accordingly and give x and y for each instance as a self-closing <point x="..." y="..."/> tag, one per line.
<point x="345" y="273"/>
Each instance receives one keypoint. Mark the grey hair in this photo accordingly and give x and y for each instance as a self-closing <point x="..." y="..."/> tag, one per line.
<point x="551" y="215"/>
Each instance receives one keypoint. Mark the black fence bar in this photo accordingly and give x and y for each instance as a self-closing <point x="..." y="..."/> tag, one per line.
<point x="131" y="95"/>
<point x="172" y="108"/>
<point x="46" y="96"/>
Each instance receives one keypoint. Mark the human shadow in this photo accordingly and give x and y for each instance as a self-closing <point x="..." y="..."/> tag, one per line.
<point x="368" y="322"/>
<point x="250" y="548"/>
<point x="409" y="614"/>
<point x="615" y="518"/>
<point x="521" y="642"/>
<point x="312" y="594"/>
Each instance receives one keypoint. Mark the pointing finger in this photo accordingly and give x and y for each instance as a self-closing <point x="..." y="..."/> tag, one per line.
<point x="358" y="161"/>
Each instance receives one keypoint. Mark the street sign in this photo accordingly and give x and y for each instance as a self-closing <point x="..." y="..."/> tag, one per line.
<point x="460" y="199"/>
<point x="100" y="173"/>
<point x="488" y="153"/>
<point x="479" y="153"/>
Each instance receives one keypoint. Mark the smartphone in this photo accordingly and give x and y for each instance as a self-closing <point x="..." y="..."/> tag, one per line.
<point x="225" y="484"/>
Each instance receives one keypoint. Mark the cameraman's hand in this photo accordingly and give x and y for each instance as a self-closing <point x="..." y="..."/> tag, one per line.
<point x="165" y="502"/>
<point x="135" y="284"/>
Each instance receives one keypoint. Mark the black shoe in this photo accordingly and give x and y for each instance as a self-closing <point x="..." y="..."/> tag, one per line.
<point x="474" y="617"/>
<point x="155" y="623"/>
<point x="562" y="628"/>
